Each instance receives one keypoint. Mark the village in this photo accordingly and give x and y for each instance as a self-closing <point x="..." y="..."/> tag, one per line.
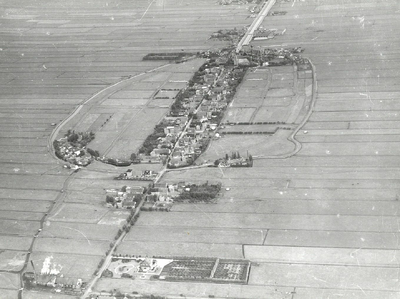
<point x="195" y="116"/>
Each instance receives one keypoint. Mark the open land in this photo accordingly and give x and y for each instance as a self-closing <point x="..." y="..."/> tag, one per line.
<point x="55" y="56"/>
<point x="328" y="213"/>
<point x="319" y="224"/>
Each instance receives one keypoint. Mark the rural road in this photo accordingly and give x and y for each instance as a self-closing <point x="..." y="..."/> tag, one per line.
<point x="106" y="92"/>
<point x="246" y="39"/>
<point x="108" y="258"/>
<point x="292" y="138"/>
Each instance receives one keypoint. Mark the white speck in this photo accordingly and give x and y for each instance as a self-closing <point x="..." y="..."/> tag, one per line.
<point x="47" y="33"/>
<point x="16" y="169"/>
<point x="373" y="208"/>
<point x="338" y="215"/>
<point x="22" y="54"/>
<point x="281" y="193"/>
<point x="362" y="239"/>
<point x="377" y="152"/>
<point x="329" y="62"/>
<point x="112" y="18"/>
<point x="328" y="152"/>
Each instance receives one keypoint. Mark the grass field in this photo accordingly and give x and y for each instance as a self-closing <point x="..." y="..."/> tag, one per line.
<point x="57" y="54"/>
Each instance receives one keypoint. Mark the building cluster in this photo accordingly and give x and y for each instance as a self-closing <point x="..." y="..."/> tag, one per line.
<point x="249" y="56"/>
<point x="146" y="175"/>
<point x="72" y="148"/>
<point x="124" y="198"/>
<point x="235" y="160"/>
<point x="195" y="114"/>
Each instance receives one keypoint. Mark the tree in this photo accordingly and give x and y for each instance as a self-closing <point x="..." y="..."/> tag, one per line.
<point x="250" y="158"/>
<point x="110" y="199"/>
<point x="123" y="189"/>
<point x="226" y="157"/>
<point x="133" y="156"/>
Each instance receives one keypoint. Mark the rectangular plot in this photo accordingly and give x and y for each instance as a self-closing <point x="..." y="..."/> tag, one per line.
<point x="195" y="235"/>
<point x="19" y="227"/>
<point x="259" y="221"/>
<point x="297" y="206"/>
<point x="322" y="256"/>
<point x="162" y="103"/>
<point x="72" y="212"/>
<point x="32" y="181"/>
<point x="272" y="114"/>
<point x="133" y="94"/>
<point x="24" y="205"/>
<point x="345" y="149"/>
<point x="21" y="215"/>
<point x="322" y="293"/>
<point x="355" y="116"/>
<point x="7" y="294"/>
<point x="159" y="76"/>
<point x="82" y="231"/>
<point x="71" y="246"/>
<point x="9" y="281"/>
<point x="15" y="242"/>
<point x="354" y="105"/>
<point x="72" y="266"/>
<point x="347" y="138"/>
<point x="171" y="249"/>
<point x="315" y="238"/>
<point x="350" y="183"/>
<point x="12" y="261"/>
<point x="381" y="95"/>
<point x="29" y="194"/>
<point x="132" y="103"/>
<point x="193" y="289"/>
<point x="358" y="88"/>
<point x="343" y="277"/>
<point x="325" y="125"/>
<point x="239" y="114"/>
<point x="352" y="132"/>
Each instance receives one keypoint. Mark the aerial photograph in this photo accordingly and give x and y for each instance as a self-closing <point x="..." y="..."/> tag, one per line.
<point x="170" y="149"/>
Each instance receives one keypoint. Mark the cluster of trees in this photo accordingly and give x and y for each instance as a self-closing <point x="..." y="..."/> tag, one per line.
<point x="151" y="141"/>
<point x="199" y="193"/>
<point x="94" y="153"/>
<point x="236" y="155"/>
<point x="79" y="138"/>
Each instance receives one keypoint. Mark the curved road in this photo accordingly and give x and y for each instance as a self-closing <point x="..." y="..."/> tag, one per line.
<point x="98" y="96"/>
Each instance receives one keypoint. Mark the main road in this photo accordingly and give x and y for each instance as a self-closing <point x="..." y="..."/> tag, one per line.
<point x="246" y="39"/>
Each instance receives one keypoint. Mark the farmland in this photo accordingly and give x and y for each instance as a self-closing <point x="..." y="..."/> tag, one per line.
<point x="328" y="214"/>
<point x="321" y="223"/>
<point x="57" y="56"/>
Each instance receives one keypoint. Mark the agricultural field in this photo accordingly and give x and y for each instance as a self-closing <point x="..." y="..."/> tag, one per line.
<point x="56" y="55"/>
